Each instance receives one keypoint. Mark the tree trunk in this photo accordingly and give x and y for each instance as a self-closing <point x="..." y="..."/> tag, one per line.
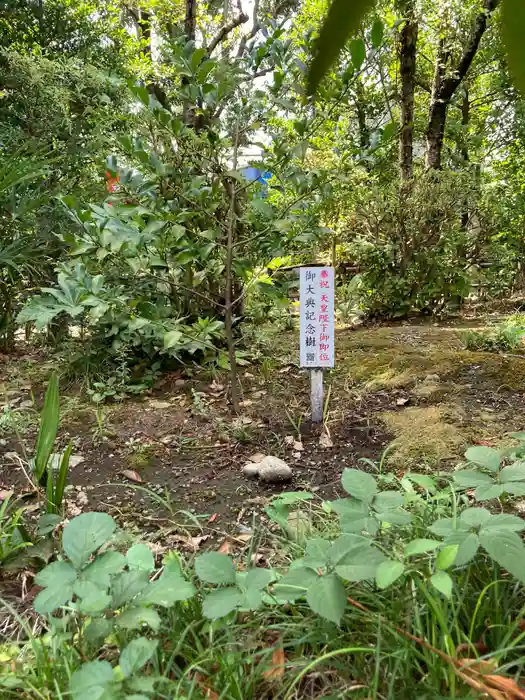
<point x="445" y="86"/>
<point x="465" y="120"/>
<point x="190" y="22"/>
<point x="407" y="70"/>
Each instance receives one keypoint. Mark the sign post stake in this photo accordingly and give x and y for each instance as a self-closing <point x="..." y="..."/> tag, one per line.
<point x="317" y="395"/>
<point x="317" y="330"/>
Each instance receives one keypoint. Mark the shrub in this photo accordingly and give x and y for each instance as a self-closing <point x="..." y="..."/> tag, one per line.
<point x="505" y="337"/>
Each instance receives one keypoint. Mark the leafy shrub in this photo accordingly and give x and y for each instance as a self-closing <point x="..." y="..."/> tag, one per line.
<point x="507" y="336"/>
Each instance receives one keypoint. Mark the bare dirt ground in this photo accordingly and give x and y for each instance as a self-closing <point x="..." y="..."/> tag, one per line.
<point x="176" y="454"/>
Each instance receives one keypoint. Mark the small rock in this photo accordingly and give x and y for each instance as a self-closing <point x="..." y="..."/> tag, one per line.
<point x="432" y="378"/>
<point x="159" y="404"/>
<point x="180" y="383"/>
<point x="75" y="460"/>
<point x="324" y="441"/>
<point x="250" y="470"/>
<point x="402" y="401"/>
<point x="274" y="469"/>
<point x="257" y="458"/>
<point x="297" y="455"/>
<point x="298" y="446"/>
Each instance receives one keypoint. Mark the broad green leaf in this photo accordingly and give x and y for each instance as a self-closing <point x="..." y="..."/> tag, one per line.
<point x="442" y="527"/>
<point x="468" y="545"/>
<point x="136" y="655"/>
<point x="447" y="556"/>
<point x="85" y="534"/>
<point x="474" y="517"/>
<point x="515" y="488"/>
<point x="359" y="484"/>
<point x="259" y="578"/>
<point x="317" y="553"/>
<point x="442" y="582"/>
<point x="48" y="427"/>
<point x="346" y="543"/>
<point x="357" y="52"/>
<point x="327" y="597"/>
<point x="294" y="584"/>
<point x="426" y="482"/>
<point x="468" y="479"/>
<point x="133" y="618"/>
<point x="504" y="521"/>
<point x="95" y="603"/>
<point x="128" y="585"/>
<point x="377" y="33"/>
<point x="97" y="631"/>
<point x="52" y="598"/>
<point x="343" y="20"/>
<point x="172" y="339"/>
<point x="47" y="523"/>
<point x="486" y="457"/>
<point x="214" y="567"/>
<point x="388" y="500"/>
<point x="360" y="567"/>
<point x="387" y="572"/>
<point x="105" y="565"/>
<point x="167" y="590"/>
<point x="515" y="472"/>
<point x="488" y="492"/>
<point x="59" y="573"/>
<point x="350" y="508"/>
<point x="421" y="546"/>
<point x="507" y="549"/>
<point x="221" y="602"/>
<point x="513" y="33"/>
<point x="92" y="681"/>
<point x="140" y="558"/>
<point x="396" y="516"/>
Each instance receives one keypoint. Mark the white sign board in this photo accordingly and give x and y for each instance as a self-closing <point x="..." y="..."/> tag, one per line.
<point x="317" y="317"/>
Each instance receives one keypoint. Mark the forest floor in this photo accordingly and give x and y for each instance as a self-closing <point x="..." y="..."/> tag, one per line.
<point x="169" y="463"/>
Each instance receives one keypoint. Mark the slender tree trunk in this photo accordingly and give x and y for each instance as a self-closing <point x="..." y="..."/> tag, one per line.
<point x="465" y="121"/>
<point x="407" y="71"/>
<point x="190" y="22"/>
<point x="446" y="83"/>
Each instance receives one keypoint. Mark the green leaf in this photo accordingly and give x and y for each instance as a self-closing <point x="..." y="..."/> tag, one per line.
<point x="48" y="427"/>
<point x="59" y="573"/>
<point x="513" y="33"/>
<point x="468" y="545"/>
<point x="221" y="602"/>
<point x="377" y="33"/>
<point x="515" y="472"/>
<point x="488" y="492"/>
<point x="447" y="556"/>
<point x="421" y="546"/>
<point x="426" y="482"/>
<point x="502" y="521"/>
<point x="140" y="558"/>
<point x="507" y="549"/>
<point x="359" y="484"/>
<point x="85" y="534"/>
<point x="516" y="488"/>
<point x="360" y="567"/>
<point x="136" y="655"/>
<point x="357" y="52"/>
<point x="327" y="597"/>
<point x="387" y="572"/>
<point x="388" y="500"/>
<point x="341" y="22"/>
<point x="442" y="527"/>
<point x="91" y="681"/>
<point x="95" y="603"/>
<point x="442" y="581"/>
<point x="133" y="618"/>
<point x="105" y="565"/>
<point x="259" y="578"/>
<point x="347" y="543"/>
<point x="47" y="523"/>
<point x="397" y="516"/>
<point x="468" y="479"/>
<point x="214" y="567"/>
<point x="486" y="457"/>
<point x="294" y="584"/>
<point x="172" y="339"/>
<point x="52" y="598"/>
<point x="97" y="631"/>
<point x="168" y="590"/>
<point x="127" y="586"/>
<point x="317" y="553"/>
<point x="474" y="517"/>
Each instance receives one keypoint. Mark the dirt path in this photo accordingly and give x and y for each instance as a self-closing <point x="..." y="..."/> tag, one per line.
<point x="184" y="453"/>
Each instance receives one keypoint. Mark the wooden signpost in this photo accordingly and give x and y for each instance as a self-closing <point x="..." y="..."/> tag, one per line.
<point x="317" y="330"/>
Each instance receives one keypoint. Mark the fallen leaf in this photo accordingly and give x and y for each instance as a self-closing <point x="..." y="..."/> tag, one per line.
<point x="132" y="476"/>
<point x="478" y="665"/>
<point x="212" y="518"/>
<point x="324" y="441"/>
<point x="276" y="669"/>
<point x="4" y="494"/>
<point x="226" y="547"/>
<point x="154" y="403"/>
<point x="190" y="543"/>
<point x="402" y="402"/>
<point x="507" y="685"/>
<point x="257" y="457"/>
<point x="284" y="370"/>
<point x="206" y="690"/>
<point x="298" y="446"/>
<point x="289" y="440"/>
<point x="246" y="421"/>
<point x="480" y="647"/>
<point x="246" y="402"/>
<point x="245" y="537"/>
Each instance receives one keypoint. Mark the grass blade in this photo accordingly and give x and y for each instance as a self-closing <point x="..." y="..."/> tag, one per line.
<point x="342" y="20"/>
<point x="48" y="427"/>
<point x="62" y="477"/>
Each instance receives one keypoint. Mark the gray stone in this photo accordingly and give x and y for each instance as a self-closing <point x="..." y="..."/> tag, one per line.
<point x="274" y="469"/>
<point x="251" y="470"/>
<point x="431" y="378"/>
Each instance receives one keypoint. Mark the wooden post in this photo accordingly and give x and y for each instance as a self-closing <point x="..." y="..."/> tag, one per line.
<point x="317" y="395"/>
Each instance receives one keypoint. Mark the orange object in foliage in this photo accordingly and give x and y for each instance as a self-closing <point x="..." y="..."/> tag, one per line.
<point x="112" y="183"/>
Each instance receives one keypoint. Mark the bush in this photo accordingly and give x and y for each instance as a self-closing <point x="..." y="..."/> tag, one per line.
<point x="408" y="575"/>
<point x="506" y="337"/>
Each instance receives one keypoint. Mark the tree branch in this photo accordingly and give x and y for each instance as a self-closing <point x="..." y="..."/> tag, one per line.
<point x="255" y="28"/>
<point x="223" y="32"/>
